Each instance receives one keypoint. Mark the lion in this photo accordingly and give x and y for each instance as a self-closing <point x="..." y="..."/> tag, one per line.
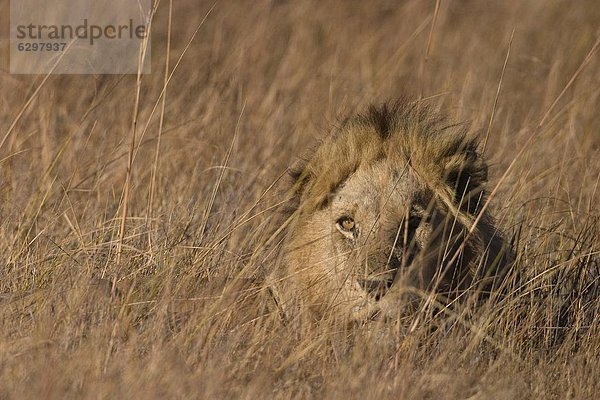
<point x="389" y="206"/>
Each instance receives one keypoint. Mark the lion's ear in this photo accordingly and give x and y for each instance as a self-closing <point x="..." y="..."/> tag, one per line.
<point x="299" y="177"/>
<point x="466" y="175"/>
<point x="313" y="193"/>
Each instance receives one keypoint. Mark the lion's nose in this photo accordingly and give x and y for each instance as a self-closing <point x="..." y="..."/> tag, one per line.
<point x="376" y="287"/>
<point x="380" y="279"/>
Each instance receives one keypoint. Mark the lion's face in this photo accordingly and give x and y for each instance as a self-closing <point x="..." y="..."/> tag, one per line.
<point x="380" y="229"/>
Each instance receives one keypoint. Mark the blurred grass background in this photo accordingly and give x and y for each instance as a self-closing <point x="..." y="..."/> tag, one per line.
<point x="181" y="314"/>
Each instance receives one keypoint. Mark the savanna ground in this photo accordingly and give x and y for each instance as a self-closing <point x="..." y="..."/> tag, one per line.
<point x="174" y="308"/>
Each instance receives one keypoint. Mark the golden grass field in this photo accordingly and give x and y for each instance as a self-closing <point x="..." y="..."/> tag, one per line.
<point x="175" y="308"/>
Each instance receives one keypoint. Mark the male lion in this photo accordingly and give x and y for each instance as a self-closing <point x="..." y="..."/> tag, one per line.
<point x="392" y="203"/>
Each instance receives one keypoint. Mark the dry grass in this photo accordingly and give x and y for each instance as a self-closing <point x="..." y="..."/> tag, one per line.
<point x="181" y="315"/>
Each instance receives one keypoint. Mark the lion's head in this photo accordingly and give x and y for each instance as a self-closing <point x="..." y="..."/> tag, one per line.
<point x="391" y="203"/>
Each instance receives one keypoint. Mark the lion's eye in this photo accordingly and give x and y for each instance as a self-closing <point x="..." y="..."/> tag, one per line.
<point x="346" y="224"/>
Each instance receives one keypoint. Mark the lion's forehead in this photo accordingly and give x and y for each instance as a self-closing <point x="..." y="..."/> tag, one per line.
<point x="384" y="183"/>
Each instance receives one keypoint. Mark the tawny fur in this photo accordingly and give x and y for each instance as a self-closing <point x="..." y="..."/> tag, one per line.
<point x="411" y="186"/>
